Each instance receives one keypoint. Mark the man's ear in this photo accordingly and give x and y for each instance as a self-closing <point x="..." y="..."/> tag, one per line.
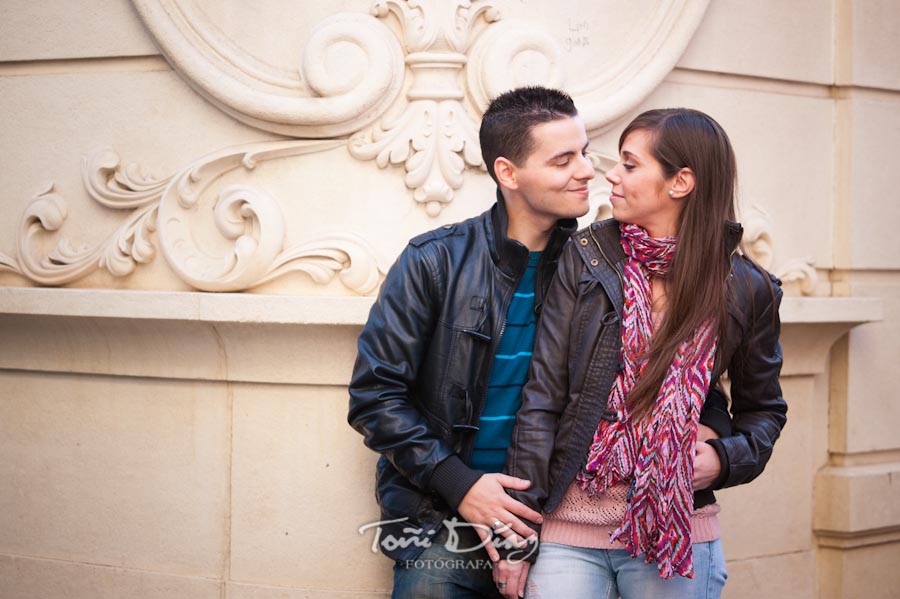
<point x="682" y="184"/>
<point x="506" y="173"/>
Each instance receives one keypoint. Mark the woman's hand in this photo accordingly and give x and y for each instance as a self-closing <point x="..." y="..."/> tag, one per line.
<point x="707" y="466"/>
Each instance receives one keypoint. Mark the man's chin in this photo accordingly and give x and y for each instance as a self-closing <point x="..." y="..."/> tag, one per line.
<point x="578" y="212"/>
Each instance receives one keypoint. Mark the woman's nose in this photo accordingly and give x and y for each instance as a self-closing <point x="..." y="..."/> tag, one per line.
<point x="611" y="175"/>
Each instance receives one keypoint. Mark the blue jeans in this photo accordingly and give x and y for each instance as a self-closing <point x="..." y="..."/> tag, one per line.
<point x="567" y="572"/>
<point x="439" y="573"/>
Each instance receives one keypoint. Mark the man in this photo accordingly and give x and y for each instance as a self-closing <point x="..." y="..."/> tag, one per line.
<point x="445" y="353"/>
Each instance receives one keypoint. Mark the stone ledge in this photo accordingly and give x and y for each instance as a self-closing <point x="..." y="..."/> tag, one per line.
<point x="185" y="306"/>
<point x="272" y="338"/>
<point x="329" y="310"/>
<point x="858" y="310"/>
<point x="866" y="538"/>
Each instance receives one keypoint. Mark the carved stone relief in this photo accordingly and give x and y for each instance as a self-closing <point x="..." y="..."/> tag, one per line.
<point x="759" y="244"/>
<point x="403" y="86"/>
<point x="435" y="137"/>
<point x="248" y="219"/>
<point x="439" y="46"/>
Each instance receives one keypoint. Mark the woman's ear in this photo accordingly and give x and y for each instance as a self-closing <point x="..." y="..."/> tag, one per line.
<point x="682" y="184"/>
<point x="505" y="171"/>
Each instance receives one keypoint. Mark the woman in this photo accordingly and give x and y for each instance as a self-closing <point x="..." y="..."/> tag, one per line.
<point x="647" y="312"/>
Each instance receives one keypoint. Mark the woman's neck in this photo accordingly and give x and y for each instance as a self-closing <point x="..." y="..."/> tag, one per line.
<point x="658" y="294"/>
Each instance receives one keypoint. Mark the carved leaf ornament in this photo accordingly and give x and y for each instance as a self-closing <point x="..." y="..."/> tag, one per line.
<point x="430" y="68"/>
<point x="758" y="243"/>
<point x="249" y="219"/>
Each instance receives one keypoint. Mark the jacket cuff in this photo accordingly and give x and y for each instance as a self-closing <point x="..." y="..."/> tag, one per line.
<point x="717" y="420"/>
<point x="723" y="459"/>
<point x="715" y="414"/>
<point x="452" y="479"/>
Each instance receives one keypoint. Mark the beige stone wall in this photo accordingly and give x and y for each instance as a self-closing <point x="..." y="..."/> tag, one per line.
<point x="161" y="440"/>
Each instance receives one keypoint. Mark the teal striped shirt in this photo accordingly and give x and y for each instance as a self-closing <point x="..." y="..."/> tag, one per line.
<point x="508" y="376"/>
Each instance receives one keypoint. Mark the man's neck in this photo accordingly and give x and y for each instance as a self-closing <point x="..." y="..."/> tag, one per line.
<point x="533" y="237"/>
<point x="530" y="229"/>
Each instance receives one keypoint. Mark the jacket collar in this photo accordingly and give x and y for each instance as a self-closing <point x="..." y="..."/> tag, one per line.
<point x="733" y="234"/>
<point x="607" y="235"/>
<point x="606" y="232"/>
<point x="510" y="255"/>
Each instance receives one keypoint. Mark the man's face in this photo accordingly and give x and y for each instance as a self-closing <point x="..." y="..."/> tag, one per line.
<point x="553" y="180"/>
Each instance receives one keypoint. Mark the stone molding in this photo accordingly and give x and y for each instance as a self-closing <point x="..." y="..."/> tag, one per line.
<point x="254" y="338"/>
<point x="856" y="506"/>
<point x="247" y="218"/>
<point x="249" y="308"/>
<point x="311" y="103"/>
<point x="180" y="306"/>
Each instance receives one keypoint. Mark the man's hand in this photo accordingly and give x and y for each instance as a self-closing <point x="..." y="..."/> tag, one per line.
<point x="488" y="504"/>
<point x="704" y="432"/>
<point x="707" y="466"/>
<point x="510" y="577"/>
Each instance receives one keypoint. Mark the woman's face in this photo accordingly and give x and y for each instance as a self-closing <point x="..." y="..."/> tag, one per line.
<point x="640" y="190"/>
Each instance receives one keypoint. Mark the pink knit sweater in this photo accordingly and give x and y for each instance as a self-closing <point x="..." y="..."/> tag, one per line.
<point x="584" y="521"/>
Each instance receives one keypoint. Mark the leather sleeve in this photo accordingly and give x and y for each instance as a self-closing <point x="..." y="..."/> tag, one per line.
<point x="757" y="406"/>
<point x="392" y="347"/>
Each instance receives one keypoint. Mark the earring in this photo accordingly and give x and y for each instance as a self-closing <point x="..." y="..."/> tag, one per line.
<point x="671" y="193"/>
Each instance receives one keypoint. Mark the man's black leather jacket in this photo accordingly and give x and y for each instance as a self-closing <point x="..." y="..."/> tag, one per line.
<point x="576" y="357"/>
<point x="418" y="386"/>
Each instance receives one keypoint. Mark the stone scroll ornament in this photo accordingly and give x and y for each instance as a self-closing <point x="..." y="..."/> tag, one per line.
<point x="162" y="214"/>
<point x="428" y="72"/>
<point x="431" y="67"/>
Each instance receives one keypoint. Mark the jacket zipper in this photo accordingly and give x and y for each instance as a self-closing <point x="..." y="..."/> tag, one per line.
<point x="495" y="344"/>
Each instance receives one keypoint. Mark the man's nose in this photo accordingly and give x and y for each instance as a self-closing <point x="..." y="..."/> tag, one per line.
<point x="587" y="168"/>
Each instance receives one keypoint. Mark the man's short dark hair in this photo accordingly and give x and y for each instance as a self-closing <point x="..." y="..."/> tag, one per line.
<point x="508" y="121"/>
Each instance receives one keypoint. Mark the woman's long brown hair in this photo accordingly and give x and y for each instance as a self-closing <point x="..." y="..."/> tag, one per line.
<point x="696" y="282"/>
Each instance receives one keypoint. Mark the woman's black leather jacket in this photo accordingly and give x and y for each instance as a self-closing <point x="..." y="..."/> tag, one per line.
<point x="577" y="355"/>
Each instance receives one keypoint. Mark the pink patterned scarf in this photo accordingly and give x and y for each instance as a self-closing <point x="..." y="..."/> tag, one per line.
<point x="656" y="452"/>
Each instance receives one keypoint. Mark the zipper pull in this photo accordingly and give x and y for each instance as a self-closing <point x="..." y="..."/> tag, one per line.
<point x="478" y="335"/>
